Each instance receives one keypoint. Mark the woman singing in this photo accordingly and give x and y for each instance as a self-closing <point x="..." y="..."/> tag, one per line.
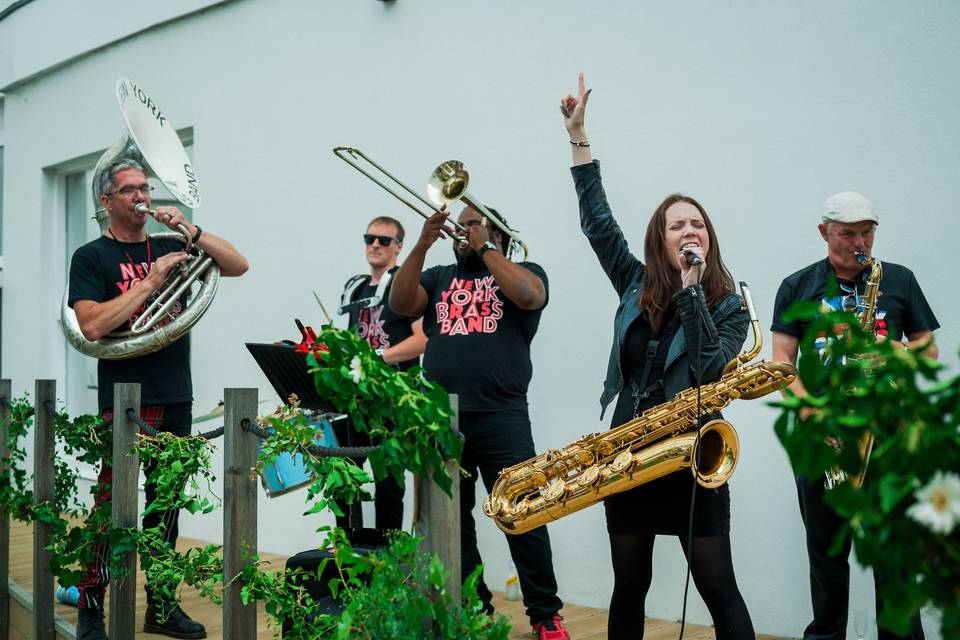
<point x="673" y="314"/>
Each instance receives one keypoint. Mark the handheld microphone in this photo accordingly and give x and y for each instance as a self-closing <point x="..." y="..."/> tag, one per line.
<point x="692" y="259"/>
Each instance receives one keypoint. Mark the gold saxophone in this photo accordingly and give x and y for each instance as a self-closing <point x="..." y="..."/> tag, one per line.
<point x="660" y="441"/>
<point x="866" y="315"/>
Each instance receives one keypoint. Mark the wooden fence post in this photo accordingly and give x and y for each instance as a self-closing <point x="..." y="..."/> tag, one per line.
<point x="239" y="510"/>
<point x="44" y="451"/>
<point x="439" y="518"/>
<point x="123" y="499"/>
<point x="5" y="395"/>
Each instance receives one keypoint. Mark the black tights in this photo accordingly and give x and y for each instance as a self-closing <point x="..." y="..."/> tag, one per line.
<point x="712" y="571"/>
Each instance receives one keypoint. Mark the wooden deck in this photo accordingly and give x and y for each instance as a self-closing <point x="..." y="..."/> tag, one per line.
<point x="584" y="623"/>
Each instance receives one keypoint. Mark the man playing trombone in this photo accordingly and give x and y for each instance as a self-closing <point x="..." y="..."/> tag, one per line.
<point x="480" y="315"/>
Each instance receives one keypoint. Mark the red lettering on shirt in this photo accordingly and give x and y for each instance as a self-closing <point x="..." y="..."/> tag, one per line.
<point x="469" y="306"/>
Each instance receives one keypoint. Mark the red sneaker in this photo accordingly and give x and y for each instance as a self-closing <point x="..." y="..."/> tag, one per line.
<point x="551" y="629"/>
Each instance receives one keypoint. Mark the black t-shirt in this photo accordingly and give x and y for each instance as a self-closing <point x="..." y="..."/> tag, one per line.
<point x="380" y="325"/>
<point x="902" y="309"/>
<point x="478" y="341"/>
<point x="102" y="270"/>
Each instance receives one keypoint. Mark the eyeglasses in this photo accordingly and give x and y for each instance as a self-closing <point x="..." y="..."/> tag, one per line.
<point x="383" y="240"/>
<point x="128" y="191"/>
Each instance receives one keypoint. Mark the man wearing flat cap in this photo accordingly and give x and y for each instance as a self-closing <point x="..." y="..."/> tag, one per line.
<point x="848" y="225"/>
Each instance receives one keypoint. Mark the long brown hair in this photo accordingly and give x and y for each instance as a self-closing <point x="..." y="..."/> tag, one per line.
<point x="661" y="279"/>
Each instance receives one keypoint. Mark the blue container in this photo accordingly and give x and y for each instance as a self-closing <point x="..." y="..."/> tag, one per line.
<point x="288" y="472"/>
<point x="68" y="595"/>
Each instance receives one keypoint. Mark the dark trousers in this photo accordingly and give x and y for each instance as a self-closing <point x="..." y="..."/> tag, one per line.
<point x="176" y="419"/>
<point x="830" y="574"/>
<point x="388" y="496"/>
<point x="494" y="441"/>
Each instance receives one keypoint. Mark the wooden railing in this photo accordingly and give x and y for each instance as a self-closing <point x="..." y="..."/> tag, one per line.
<point x="438" y="518"/>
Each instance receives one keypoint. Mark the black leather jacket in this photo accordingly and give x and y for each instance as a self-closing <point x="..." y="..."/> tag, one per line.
<point x="721" y="331"/>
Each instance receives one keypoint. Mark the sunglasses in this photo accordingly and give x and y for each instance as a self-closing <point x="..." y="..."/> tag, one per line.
<point x="850" y="300"/>
<point x="383" y="240"/>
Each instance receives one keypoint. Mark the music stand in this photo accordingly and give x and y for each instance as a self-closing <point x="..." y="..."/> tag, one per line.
<point x="286" y="369"/>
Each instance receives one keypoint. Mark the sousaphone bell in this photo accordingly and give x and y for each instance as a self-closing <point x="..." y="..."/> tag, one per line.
<point x="153" y="142"/>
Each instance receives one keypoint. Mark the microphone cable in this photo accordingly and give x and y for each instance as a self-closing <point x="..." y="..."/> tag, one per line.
<point x="696" y="466"/>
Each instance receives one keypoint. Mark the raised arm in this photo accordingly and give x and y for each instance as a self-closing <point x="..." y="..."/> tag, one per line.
<point x="596" y="218"/>
<point x="524" y="288"/>
<point x="231" y="262"/>
<point x="407" y="297"/>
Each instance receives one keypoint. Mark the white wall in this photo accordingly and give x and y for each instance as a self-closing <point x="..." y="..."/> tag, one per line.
<point x="760" y="110"/>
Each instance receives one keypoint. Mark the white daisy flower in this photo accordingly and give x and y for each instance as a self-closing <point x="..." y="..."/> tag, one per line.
<point x="938" y="503"/>
<point x="356" y="370"/>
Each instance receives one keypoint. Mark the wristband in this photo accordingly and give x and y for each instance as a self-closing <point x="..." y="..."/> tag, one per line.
<point x="196" y="236"/>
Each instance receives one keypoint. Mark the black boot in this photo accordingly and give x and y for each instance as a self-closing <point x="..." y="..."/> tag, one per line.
<point x="90" y="624"/>
<point x="170" y="620"/>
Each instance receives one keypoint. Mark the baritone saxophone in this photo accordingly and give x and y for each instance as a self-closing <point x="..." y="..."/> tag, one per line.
<point x="662" y="440"/>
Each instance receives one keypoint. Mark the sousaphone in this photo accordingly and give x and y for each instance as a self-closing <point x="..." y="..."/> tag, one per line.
<point x="153" y="142"/>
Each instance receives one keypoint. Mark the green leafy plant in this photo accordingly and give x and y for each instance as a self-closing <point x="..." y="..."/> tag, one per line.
<point x="405" y="414"/>
<point x="407" y="417"/>
<point x="904" y="520"/>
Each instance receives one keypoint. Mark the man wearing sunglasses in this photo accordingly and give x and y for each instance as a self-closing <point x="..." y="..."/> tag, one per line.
<point x="848" y="226"/>
<point x="398" y="339"/>
<point x="480" y="315"/>
<point x="113" y="279"/>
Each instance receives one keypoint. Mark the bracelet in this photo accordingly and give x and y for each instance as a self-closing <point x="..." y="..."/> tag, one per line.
<point x="580" y="143"/>
<point x="196" y="236"/>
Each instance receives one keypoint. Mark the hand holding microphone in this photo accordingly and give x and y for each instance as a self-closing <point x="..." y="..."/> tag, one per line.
<point x="691" y="270"/>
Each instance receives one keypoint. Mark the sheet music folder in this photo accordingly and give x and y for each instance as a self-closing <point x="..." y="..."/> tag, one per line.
<point x="286" y="369"/>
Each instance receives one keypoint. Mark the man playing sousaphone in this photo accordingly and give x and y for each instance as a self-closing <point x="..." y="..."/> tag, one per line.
<point x="113" y="279"/>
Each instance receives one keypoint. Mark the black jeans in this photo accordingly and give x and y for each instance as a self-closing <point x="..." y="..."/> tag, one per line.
<point x="493" y="441"/>
<point x="830" y="575"/>
<point x="388" y="496"/>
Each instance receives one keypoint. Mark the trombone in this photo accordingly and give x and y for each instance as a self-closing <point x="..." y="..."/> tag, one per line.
<point x="447" y="184"/>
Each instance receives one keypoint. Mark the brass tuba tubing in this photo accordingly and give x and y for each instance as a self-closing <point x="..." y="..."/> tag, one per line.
<point x="160" y="307"/>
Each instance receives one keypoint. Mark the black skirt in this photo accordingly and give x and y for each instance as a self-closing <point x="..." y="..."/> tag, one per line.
<point x="663" y="507"/>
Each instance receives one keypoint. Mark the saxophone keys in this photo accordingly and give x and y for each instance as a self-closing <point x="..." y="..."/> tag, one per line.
<point x="589" y="477"/>
<point x="622" y="463"/>
<point x="555" y="491"/>
<point x="492" y="507"/>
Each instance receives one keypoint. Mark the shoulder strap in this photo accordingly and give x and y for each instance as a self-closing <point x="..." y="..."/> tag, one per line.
<point x="352" y="285"/>
<point x="364" y="303"/>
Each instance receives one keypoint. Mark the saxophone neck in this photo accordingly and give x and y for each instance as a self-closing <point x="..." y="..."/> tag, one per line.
<point x="754" y="351"/>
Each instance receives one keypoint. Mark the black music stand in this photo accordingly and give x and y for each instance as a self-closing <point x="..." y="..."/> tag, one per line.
<point x="286" y="369"/>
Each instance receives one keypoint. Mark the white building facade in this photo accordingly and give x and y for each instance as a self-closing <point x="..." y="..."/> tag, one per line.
<point x="759" y="110"/>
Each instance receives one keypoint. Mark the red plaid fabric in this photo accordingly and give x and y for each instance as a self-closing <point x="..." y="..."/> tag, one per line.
<point x="95" y="582"/>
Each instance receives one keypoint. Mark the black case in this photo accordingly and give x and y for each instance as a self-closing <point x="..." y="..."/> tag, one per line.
<point x="364" y="541"/>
